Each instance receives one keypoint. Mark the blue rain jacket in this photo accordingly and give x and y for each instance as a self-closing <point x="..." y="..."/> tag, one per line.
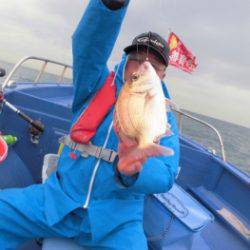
<point x="111" y="204"/>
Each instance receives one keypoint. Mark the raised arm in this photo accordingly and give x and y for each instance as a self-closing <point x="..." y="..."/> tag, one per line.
<point x="92" y="44"/>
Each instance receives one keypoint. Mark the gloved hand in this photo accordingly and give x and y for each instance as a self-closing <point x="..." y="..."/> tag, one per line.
<point x="115" y="4"/>
<point x="130" y="162"/>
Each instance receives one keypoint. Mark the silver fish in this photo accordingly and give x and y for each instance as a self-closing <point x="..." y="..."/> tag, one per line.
<point x="141" y="113"/>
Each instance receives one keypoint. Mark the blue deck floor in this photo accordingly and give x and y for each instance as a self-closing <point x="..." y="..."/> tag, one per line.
<point x="214" y="184"/>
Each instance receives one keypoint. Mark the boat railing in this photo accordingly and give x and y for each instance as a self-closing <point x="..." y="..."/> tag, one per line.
<point x="180" y="115"/>
<point x="8" y="81"/>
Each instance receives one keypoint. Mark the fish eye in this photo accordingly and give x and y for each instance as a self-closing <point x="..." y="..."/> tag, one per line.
<point x="134" y="77"/>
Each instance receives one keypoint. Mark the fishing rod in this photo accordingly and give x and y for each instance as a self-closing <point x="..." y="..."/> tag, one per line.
<point x="34" y="123"/>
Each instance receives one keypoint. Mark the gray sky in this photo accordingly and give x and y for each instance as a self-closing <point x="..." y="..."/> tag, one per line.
<point x="217" y="32"/>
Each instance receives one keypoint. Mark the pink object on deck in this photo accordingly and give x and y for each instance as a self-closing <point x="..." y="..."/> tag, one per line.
<point x="3" y="149"/>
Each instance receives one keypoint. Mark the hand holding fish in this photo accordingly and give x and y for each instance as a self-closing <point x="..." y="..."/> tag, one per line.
<point x="140" y="120"/>
<point x="128" y="163"/>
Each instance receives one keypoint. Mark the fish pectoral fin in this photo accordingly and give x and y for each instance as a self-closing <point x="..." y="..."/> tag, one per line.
<point x="166" y="134"/>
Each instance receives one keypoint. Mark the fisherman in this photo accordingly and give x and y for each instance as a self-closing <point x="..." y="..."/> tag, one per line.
<point x="88" y="198"/>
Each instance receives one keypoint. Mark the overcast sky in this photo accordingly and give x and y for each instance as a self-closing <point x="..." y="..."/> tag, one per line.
<point x="217" y="32"/>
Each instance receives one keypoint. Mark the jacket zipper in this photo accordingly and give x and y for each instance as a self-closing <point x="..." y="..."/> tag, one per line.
<point x="92" y="179"/>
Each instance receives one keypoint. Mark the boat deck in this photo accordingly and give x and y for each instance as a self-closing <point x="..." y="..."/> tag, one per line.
<point x="216" y="185"/>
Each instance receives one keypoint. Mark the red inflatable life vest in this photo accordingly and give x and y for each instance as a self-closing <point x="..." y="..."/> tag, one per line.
<point x="88" y="122"/>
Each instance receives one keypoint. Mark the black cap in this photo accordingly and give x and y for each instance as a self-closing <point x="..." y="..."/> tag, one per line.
<point x="153" y="42"/>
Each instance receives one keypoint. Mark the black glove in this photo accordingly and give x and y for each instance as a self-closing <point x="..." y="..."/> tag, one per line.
<point x="115" y="4"/>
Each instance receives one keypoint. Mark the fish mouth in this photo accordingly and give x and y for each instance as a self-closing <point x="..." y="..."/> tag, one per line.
<point x="145" y="68"/>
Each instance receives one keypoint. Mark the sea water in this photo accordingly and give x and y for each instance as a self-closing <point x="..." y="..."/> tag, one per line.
<point x="236" y="138"/>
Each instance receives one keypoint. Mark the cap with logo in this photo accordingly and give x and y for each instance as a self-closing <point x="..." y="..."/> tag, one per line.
<point x="153" y="42"/>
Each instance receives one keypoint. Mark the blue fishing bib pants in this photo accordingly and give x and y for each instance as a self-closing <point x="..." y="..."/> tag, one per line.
<point x="22" y="218"/>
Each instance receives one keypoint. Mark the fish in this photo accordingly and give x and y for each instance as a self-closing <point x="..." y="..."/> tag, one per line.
<point x="140" y="114"/>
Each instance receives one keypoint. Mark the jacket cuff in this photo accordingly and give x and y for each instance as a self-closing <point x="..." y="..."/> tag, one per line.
<point x="122" y="180"/>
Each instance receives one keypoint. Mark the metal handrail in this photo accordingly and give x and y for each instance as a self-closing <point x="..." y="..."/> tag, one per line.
<point x="181" y="113"/>
<point x="8" y="81"/>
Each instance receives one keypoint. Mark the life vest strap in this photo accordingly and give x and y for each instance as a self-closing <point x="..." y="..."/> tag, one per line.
<point x="89" y="149"/>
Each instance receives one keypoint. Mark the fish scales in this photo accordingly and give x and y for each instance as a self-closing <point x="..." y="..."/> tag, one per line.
<point x="140" y="110"/>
